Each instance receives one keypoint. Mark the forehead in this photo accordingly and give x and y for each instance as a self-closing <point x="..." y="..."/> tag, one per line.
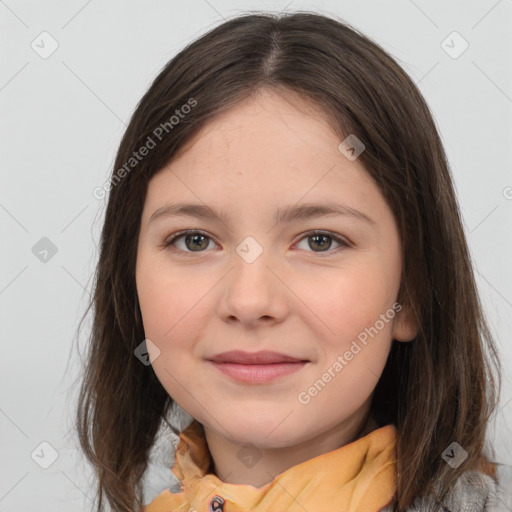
<point x="264" y="151"/>
<point x="266" y="124"/>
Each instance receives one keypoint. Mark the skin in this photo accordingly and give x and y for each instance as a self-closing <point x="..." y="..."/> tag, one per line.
<point x="299" y="298"/>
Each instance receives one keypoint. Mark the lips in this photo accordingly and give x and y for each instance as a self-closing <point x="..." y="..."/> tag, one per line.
<point x="261" y="357"/>
<point x="256" y="367"/>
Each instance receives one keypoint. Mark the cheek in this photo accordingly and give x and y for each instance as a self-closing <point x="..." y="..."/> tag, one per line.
<point x="166" y="301"/>
<point x="354" y="356"/>
<point x="156" y="304"/>
<point x="350" y="300"/>
<point x="171" y="314"/>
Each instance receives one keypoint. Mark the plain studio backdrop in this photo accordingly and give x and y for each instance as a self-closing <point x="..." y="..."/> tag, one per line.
<point x="71" y="75"/>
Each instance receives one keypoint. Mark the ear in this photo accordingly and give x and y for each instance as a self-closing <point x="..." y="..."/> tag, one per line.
<point x="405" y="325"/>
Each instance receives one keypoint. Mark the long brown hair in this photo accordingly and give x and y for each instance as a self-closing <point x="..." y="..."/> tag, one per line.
<point x="439" y="388"/>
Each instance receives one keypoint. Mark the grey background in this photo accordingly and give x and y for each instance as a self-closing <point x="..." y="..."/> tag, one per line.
<point x="62" y="118"/>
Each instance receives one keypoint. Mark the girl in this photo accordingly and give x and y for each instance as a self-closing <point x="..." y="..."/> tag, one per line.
<point x="283" y="258"/>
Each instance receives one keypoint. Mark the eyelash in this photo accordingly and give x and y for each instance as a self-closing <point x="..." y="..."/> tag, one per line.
<point x="168" y="244"/>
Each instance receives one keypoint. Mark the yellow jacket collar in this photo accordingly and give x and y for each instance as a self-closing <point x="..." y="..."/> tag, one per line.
<point x="358" y="477"/>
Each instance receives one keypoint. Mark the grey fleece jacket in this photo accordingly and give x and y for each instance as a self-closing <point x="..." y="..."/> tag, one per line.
<point x="474" y="492"/>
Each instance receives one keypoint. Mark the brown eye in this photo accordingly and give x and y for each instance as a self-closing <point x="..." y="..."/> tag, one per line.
<point x="321" y="242"/>
<point x="196" y="242"/>
<point x="193" y="241"/>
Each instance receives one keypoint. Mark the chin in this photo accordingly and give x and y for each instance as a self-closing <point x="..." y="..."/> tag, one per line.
<point x="266" y="431"/>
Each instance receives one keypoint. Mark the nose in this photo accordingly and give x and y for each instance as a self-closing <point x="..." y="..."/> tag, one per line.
<point x="254" y="292"/>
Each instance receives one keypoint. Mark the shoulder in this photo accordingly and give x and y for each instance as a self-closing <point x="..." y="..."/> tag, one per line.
<point x="474" y="491"/>
<point x="165" y="501"/>
<point x="502" y="499"/>
<point x="479" y="492"/>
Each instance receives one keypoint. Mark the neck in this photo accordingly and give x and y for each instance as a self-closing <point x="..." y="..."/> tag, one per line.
<point x="272" y="461"/>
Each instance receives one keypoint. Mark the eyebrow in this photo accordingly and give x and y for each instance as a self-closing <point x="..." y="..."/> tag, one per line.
<point x="281" y="215"/>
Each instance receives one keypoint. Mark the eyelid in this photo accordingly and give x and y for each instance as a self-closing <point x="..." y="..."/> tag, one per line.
<point x="344" y="243"/>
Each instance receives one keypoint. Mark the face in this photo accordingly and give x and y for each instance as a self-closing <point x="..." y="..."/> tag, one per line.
<point x="248" y="282"/>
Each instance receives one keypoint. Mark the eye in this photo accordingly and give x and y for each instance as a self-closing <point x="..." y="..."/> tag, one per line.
<point x="194" y="241"/>
<point x="322" y="240"/>
<point x="198" y="241"/>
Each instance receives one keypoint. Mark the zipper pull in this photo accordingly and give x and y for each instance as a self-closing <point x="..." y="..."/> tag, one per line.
<point x="216" y="504"/>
